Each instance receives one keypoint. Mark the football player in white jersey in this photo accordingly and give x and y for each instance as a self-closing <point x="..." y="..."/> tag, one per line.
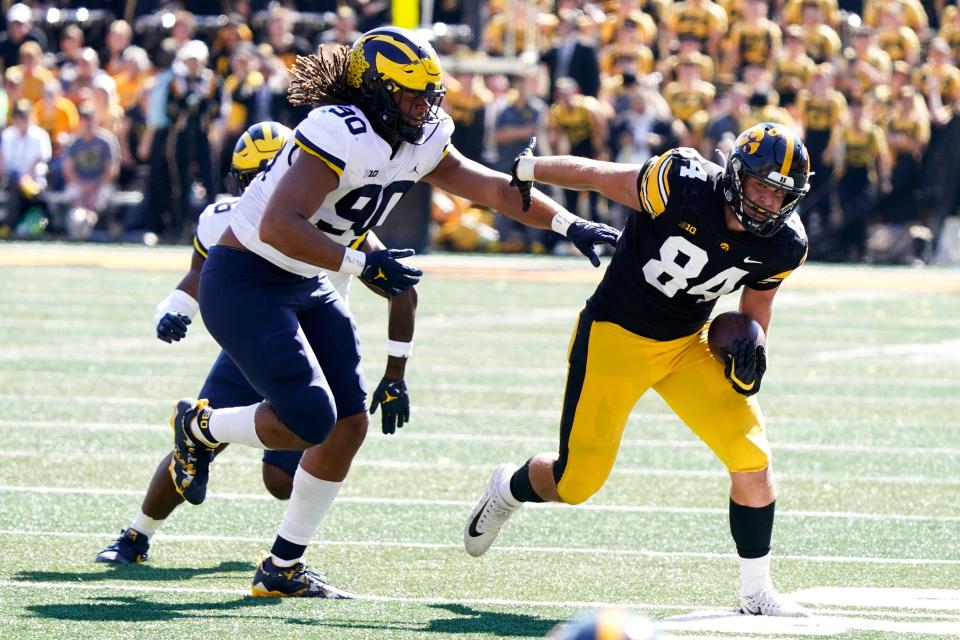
<point x="378" y="130"/>
<point x="225" y="384"/>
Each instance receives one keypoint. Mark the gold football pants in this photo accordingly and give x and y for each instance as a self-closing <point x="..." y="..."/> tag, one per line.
<point x="610" y="368"/>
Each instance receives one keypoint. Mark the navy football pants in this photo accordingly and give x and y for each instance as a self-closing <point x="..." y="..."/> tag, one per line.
<point x="292" y="338"/>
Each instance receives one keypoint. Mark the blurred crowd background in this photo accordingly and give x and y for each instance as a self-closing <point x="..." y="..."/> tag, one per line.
<point x="119" y="118"/>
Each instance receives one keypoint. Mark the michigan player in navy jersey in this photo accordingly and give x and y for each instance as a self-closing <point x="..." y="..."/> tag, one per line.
<point x="701" y="231"/>
<point x="225" y="384"/>
<point x="378" y="130"/>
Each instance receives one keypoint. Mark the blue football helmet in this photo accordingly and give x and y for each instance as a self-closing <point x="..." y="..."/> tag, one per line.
<point x="775" y="155"/>
<point x="388" y="64"/>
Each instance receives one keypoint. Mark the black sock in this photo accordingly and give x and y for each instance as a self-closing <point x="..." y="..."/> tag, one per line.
<point x="520" y="485"/>
<point x="752" y="529"/>
<point x="286" y="550"/>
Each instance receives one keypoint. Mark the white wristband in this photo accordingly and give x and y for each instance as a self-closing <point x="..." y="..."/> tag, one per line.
<point x="562" y="221"/>
<point x="399" y="349"/>
<point x="353" y="261"/>
<point x="525" y="167"/>
<point x="179" y="302"/>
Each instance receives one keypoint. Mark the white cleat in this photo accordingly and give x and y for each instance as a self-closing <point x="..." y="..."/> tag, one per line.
<point x="768" y="602"/>
<point x="491" y="512"/>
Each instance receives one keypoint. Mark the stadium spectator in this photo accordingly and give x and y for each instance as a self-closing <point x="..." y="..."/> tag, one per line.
<point x="689" y="98"/>
<point x="240" y="91"/>
<point x="577" y="124"/>
<point x="792" y="67"/>
<point x="864" y="170"/>
<point x="867" y="65"/>
<point x="56" y="115"/>
<point x="704" y="20"/>
<point x="571" y="57"/>
<point x="119" y="37"/>
<point x="822" y="110"/>
<point x="939" y="64"/>
<point x="24" y="153"/>
<point x="31" y="69"/>
<point x="822" y="42"/>
<point x="285" y="44"/>
<point x="20" y="29"/>
<point x="690" y="49"/>
<point x="896" y="39"/>
<point x="184" y="27"/>
<point x="135" y="77"/>
<point x="751" y="41"/>
<point x="192" y="106"/>
<point x="230" y="36"/>
<point x="627" y="44"/>
<point x="521" y="119"/>
<point x="344" y="29"/>
<point x="466" y="102"/>
<point x="731" y="110"/>
<point x="79" y="88"/>
<point x="71" y="43"/>
<point x="91" y="164"/>
<point x="908" y="134"/>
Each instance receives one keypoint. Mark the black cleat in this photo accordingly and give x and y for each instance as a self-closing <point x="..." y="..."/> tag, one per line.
<point x="190" y="464"/>
<point x="297" y="581"/>
<point x="129" y="548"/>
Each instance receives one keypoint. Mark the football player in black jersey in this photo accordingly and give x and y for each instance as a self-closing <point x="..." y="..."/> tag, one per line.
<point x="702" y="231"/>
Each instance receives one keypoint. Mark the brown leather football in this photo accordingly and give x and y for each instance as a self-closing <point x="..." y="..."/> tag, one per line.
<point x="730" y="326"/>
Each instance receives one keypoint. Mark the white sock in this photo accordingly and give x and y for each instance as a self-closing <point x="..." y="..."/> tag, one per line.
<point x="754" y="574"/>
<point x="235" y="424"/>
<point x="309" y="502"/>
<point x="145" y="524"/>
<point x="507" y="495"/>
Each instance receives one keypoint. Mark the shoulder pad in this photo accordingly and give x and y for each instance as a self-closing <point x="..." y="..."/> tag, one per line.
<point x="682" y="171"/>
<point x="329" y="133"/>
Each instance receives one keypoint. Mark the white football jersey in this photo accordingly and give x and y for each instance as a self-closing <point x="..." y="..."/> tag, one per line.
<point x="372" y="180"/>
<point x="216" y="218"/>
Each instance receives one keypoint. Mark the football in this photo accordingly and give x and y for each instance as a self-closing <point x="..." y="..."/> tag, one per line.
<point x="730" y="326"/>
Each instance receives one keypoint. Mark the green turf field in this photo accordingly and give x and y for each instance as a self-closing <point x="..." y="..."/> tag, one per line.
<point x="863" y="404"/>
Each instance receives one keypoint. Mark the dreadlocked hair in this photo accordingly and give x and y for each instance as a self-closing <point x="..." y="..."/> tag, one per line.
<point x="321" y="78"/>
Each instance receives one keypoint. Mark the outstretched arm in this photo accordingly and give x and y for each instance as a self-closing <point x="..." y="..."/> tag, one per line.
<point x="391" y="394"/>
<point x="466" y="178"/>
<point x="616" y="181"/>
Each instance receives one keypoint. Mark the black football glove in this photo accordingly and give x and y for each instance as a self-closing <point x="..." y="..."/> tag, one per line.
<point x="745" y="365"/>
<point x="392" y="396"/>
<point x="523" y="186"/>
<point x="584" y="235"/>
<point x="384" y="271"/>
<point x="172" y="327"/>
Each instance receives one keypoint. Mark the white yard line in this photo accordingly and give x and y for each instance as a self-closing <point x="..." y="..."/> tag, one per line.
<point x="248" y="460"/>
<point x="487" y="439"/>
<point x="700" y="619"/>
<point x="411" y="502"/>
<point x="583" y="551"/>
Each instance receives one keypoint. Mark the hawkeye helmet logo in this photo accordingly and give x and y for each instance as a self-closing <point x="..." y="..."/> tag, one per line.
<point x="749" y="140"/>
<point x="724" y="246"/>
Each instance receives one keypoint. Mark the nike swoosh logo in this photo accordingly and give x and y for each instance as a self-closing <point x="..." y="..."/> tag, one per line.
<point x="749" y="261"/>
<point x="472" y="530"/>
<point x="740" y="383"/>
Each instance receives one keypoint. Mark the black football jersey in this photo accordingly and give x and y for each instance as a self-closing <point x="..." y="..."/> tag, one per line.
<point x="677" y="256"/>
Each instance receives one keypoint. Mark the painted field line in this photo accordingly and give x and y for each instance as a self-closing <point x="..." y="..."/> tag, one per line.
<point x="583" y="551"/>
<point x="842" y="624"/>
<point x="500" y="602"/>
<point x="234" y="460"/>
<point x="486" y="439"/>
<point x="424" y="502"/>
